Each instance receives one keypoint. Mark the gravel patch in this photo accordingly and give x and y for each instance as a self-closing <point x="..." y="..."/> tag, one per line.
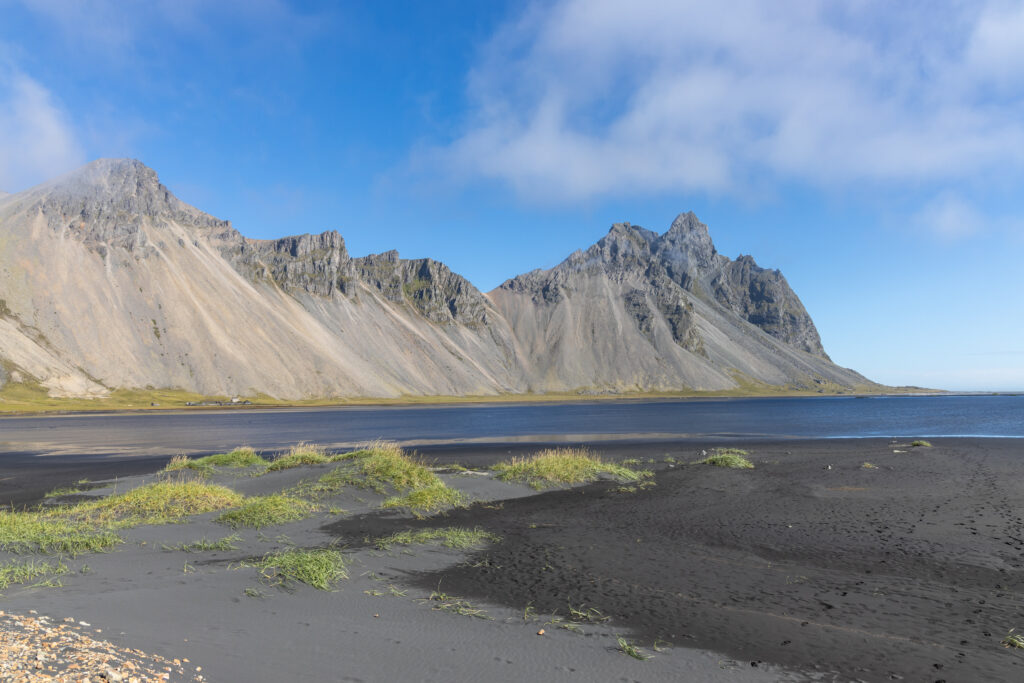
<point x="39" y="648"/>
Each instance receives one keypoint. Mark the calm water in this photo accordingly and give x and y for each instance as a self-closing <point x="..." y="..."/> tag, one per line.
<point x="832" y="417"/>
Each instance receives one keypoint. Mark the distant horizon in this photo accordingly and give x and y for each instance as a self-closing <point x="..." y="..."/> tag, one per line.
<point x="874" y="154"/>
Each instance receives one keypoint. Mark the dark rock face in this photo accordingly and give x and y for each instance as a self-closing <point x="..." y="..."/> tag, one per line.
<point x="302" y="263"/>
<point x="678" y="312"/>
<point x="764" y="298"/>
<point x="321" y="266"/>
<point x="439" y="295"/>
<point x="674" y="266"/>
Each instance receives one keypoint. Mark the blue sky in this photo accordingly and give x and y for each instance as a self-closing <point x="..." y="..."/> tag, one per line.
<point x="873" y="151"/>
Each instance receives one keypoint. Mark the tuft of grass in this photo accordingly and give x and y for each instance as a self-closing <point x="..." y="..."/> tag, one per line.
<point x="320" y="568"/>
<point x="383" y="464"/>
<point x="300" y="454"/>
<point x="920" y="443"/>
<point x="262" y="511"/>
<point x="206" y="545"/>
<point x="243" y="456"/>
<point x="587" y="615"/>
<point x="557" y="466"/>
<point x="32" y="532"/>
<point x="628" y="648"/>
<point x="327" y="484"/>
<point x="89" y="526"/>
<point x="158" y="503"/>
<point x="1013" y="640"/>
<point x="449" y="603"/>
<point x="65" y="491"/>
<point x="428" y="500"/>
<point x="458" y="538"/>
<point x="728" y="457"/>
<point x="23" y="572"/>
<point x="730" y="451"/>
<point x="869" y="466"/>
<point x="178" y="463"/>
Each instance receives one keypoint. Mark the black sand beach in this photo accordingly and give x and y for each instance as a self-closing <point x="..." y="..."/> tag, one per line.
<point x="809" y="567"/>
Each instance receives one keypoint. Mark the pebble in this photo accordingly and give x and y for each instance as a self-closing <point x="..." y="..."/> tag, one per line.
<point x="34" y="649"/>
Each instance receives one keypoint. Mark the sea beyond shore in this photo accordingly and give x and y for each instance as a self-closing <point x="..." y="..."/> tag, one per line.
<point x="835" y="560"/>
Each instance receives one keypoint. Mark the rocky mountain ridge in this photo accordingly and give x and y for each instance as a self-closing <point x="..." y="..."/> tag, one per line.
<point x="108" y="280"/>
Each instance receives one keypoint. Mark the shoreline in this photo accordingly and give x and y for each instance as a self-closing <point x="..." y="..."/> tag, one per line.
<point x="809" y="565"/>
<point x="177" y="403"/>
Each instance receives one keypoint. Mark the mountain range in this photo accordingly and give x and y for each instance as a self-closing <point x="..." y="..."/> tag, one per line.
<point x="107" y="280"/>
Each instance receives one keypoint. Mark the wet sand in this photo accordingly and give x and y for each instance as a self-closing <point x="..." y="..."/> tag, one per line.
<point x="809" y="567"/>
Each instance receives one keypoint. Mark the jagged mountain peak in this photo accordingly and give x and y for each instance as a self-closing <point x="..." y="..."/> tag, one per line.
<point x="187" y="301"/>
<point x="110" y="187"/>
<point x="106" y="178"/>
<point x="687" y="245"/>
<point x="105" y="203"/>
<point x="686" y="223"/>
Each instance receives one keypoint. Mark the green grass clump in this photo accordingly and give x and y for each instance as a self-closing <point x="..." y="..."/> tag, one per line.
<point x="299" y="455"/>
<point x="730" y="451"/>
<point x="1013" y="640"/>
<point x="327" y="484"/>
<point x="553" y="467"/>
<point x="243" y="456"/>
<point x="180" y="462"/>
<point x="384" y="467"/>
<point x="163" y="502"/>
<point x="269" y="510"/>
<point x="32" y="532"/>
<point x="628" y="648"/>
<point x="381" y="467"/>
<point x="450" y="537"/>
<point x="89" y="526"/>
<point x="320" y="568"/>
<point x="427" y="500"/>
<point x="920" y="443"/>
<point x="23" y="572"/>
<point x="728" y="457"/>
<point x="378" y="468"/>
<point x="65" y="491"/>
<point x="383" y="464"/>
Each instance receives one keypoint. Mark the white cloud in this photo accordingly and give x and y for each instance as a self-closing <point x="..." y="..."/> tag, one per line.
<point x="37" y="141"/>
<point x="996" y="47"/>
<point x="950" y="217"/>
<point x="583" y="98"/>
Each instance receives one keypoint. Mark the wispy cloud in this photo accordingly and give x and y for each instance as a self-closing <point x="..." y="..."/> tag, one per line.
<point x="122" y="42"/>
<point x="584" y="98"/>
<point x="37" y="139"/>
<point x="950" y="217"/>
